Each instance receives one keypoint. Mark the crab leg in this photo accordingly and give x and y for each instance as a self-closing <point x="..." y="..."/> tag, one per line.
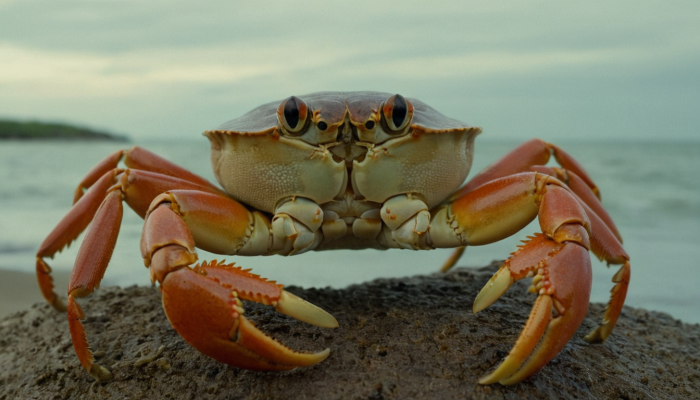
<point x="557" y="259"/>
<point x="520" y="159"/>
<point x="532" y="156"/>
<point x="103" y="176"/>
<point x="204" y="303"/>
<point x="137" y="158"/>
<point x="138" y="188"/>
<point x="90" y="265"/>
<point x="605" y="246"/>
<point x="531" y="153"/>
<point x="583" y="193"/>
<point x="66" y="231"/>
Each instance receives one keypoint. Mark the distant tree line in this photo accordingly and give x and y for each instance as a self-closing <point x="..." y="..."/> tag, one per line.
<point x="33" y="130"/>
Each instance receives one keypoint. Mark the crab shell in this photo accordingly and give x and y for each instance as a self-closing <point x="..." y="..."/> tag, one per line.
<point x="259" y="165"/>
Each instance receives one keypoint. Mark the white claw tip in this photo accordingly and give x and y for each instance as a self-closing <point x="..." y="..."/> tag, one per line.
<point x="302" y="310"/>
<point x="494" y="288"/>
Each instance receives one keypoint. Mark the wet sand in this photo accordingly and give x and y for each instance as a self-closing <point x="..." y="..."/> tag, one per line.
<point x="19" y="290"/>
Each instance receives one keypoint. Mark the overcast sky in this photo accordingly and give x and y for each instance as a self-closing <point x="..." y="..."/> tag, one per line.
<point x="552" y="69"/>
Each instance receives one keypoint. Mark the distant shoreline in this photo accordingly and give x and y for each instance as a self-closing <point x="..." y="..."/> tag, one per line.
<point x="34" y="130"/>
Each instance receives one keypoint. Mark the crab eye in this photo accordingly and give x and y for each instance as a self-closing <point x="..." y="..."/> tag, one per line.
<point x="397" y="112"/>
<point x="292" y="114"/>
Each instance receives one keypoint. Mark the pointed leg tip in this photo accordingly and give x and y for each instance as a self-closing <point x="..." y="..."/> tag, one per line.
<point x="59" y="304"/>
<point x="100" y="373"/>
<point x="511" y="369"/>
<point x="596" y="336"/>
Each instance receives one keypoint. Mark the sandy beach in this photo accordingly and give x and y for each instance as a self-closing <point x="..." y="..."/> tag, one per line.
<point x="19" y="290"/>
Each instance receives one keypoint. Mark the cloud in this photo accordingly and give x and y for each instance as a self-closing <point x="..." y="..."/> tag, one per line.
<point x="53" y="73"/>
<point x="121" y="63"/>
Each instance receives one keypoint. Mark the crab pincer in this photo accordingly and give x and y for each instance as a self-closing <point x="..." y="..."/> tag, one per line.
<point x="562" y="279"/>
<point x="557" y="259"/>
<point x="204" y="306"/>
<point x="204" y="303"/>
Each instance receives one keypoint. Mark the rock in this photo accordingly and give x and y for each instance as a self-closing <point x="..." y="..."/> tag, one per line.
<point x="398" y="338"/>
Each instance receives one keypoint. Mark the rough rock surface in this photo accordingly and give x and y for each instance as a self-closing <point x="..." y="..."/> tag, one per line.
<point x="398" y="338"/>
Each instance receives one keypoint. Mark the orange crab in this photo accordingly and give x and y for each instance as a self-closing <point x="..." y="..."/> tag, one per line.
<point x="339" y="170"/>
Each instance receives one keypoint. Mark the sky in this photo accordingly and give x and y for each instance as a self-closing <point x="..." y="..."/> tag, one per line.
<point x="599" y="70"/>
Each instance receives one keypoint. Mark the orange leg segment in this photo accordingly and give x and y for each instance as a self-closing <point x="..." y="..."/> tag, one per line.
<point x="91" y="263"/>
<point x="138" y="188"/>
<point x="533" y="155"/>
<point x="520" y="159"/>
<point x="141" y="159"/>
<point x="583" y="192"/>
<point x="66" y="231"/>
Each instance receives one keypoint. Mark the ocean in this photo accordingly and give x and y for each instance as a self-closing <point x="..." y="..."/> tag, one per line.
<point x="650" y="189"/>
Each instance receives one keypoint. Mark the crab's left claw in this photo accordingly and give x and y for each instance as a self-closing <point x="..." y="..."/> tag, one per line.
<point x="204" y="306"/>
<point x="557" y="258"/>
<point x="563" y="281"/>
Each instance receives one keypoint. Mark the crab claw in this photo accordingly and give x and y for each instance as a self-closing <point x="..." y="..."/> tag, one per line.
<point x="563" y="281"/>
<point x="204" y="306"/>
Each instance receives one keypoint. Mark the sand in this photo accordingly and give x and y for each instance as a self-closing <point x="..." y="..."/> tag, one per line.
<point x="19" y="290"/>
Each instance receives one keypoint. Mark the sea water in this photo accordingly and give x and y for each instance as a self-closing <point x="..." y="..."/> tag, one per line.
<point x="651" y="190"/>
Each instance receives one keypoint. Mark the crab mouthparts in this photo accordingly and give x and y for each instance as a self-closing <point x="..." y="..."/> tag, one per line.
<point x="348" y="146"/>
<point x="347" y="133"/>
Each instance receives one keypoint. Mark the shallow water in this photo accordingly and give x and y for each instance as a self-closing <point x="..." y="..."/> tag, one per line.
<point x="650" y="189"/>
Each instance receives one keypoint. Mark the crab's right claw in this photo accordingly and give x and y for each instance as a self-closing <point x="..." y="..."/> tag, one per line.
<point x="563" y="281"/>
<point x="204" y="306"/>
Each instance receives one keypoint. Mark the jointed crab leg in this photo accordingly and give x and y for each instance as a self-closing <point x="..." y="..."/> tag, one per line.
<point x="558" y="259"/>
<point x="532" y="156"/>
<point x="202" y="303"/>
<point x="583" y="193"/>
<point x="66" y="231"/>
<point x="521" y="159"/>
<point x="605" y="246"/>
<point x="138" y="188"/>
<point x="90" y="265"/>
<point x="142" y="159"/>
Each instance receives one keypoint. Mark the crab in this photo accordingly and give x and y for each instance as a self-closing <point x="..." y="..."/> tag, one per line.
<point x="337" y="170"/>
